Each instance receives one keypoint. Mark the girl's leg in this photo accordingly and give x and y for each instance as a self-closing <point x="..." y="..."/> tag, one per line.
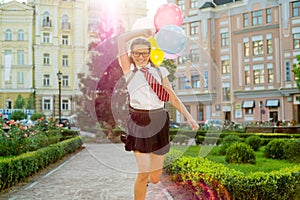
<point x="140" y="185"/>
<point x="156" y="165"/>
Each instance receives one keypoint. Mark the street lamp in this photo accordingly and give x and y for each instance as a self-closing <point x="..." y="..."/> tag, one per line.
<point x="59" y="76"/>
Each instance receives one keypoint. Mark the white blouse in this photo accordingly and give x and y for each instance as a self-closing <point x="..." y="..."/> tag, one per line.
<point x="141" y="95"/>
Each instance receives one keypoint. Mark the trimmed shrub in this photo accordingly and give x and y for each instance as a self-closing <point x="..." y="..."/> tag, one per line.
<point x="254" y="142"/>
<point x="18" y="115"/>
<point x="36" y="116"/>
<point x="240" y="153"/>
<point x="292" y="150"/>
<point x="227" y="142"/>
<point x="275" y="149"/>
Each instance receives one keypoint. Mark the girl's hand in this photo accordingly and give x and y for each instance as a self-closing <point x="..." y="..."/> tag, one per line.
<point x="193" y="124"/>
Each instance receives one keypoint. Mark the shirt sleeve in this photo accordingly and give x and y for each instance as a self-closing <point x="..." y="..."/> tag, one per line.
<point x="164" y="72"/>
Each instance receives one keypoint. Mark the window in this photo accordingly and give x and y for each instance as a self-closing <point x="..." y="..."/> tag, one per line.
<point x="296" y="8"/>
<point x="257" y="18"/>
<point x="181" y="4"/>
<point x="46" y="19"/>
<point x="269" y="46"/>
<point x="65" y="104"/>
<point x="269" y="16"/>
<point x="246" y="19"/>
<point x="258" y="76"/>
<point x="194" y="55"/>
<point x="194" y="28"/>
<point x="270" y="75"/>
<point x="181" y="83"/>
<point x="46" y="104"/>
<point x="249" y="111"/>
<point x="8" y="34"/>
<point x="46" y="37"/>
<point x="258" y="48"/>
<point x="65" y="22"/>
<point x="180" y="60"/>
<point x="247" y="78"/>
<point x="226" y="94"/>
<point x="46" y="59"/>
<point x="20" y="35"/>
<point x="205" y="79"/>
<point x="224" y="39"/>
<point x="225" y="67"/>
<point x="65" y="81"/>
<point x="200" y="109"/>
<point x="65" y="40"/>
<point x="194" y="3"/>
<point x="20" y="57"/>
<point x="287" y="70"/>
<point x="195" y="81"/>
<point x="296" y="40"/>
<point x="20" y="77"/>
<point x="65" y="60"/>
<point x="46" y="80"/>
<point x="246" y="49"/>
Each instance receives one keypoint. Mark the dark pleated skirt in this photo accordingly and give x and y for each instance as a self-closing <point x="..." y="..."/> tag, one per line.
<point x="148" y="131"/>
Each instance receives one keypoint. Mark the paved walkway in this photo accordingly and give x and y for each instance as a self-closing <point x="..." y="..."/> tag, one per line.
<point x="98" y="172"/>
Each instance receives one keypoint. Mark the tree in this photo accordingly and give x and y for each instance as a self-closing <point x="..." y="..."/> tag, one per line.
<point x="18" y="115"/>
<point x="19" y="103"/>
<point x="30" y="102"/>
<point x="296" y="71"/>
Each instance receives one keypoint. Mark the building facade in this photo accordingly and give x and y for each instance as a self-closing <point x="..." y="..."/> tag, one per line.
<point x="43" y="37"/>
<point x="16" y="58"/>
<point x="238" y="61"/>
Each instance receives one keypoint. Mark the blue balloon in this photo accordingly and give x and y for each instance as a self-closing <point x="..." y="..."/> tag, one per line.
<point x="171" y="39"/>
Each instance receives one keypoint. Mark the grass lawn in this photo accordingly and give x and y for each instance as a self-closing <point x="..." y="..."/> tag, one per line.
<point x="262" y="164"/>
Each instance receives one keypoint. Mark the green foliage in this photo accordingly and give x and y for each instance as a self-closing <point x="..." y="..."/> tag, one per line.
<point x="36" y="116"/>
<point x="19" y="103"/>
<point x="30" y="102"/>
<point x="240" y="153"/>
<point x="14" y="169"/>
<point x="277" y="185"/>
<point x="275" y="149"/>
<point x="253" y="141"/>
<point x="227" y="142"/>
<point x="171" y="67"/>
<point x="18" y="115"/>
<point x="292" y="150"/>
<point x="181" y="139"/>
<point x="296" y="71"/>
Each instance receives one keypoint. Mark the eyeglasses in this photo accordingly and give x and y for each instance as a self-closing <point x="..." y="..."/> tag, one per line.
<point x="138" y="54"/>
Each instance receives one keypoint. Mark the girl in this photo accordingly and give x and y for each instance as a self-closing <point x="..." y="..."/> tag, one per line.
<point x="148" y="122"/>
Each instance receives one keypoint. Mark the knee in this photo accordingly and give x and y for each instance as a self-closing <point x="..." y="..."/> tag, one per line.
<point x="154" y="178"/>
<point x="142" y="177"/>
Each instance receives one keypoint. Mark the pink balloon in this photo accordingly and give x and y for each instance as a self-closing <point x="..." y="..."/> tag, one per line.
<point x="171" y="56"/>
<point x="168" y="14"/>
<point x="143" y="23"/>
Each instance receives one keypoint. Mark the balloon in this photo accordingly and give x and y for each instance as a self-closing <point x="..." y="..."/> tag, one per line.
<point x="171" y="39"/>
<point x="168" y="14"/>
<point x="143" y="23"/>
<point x="171" y="56"/>
<point x="156" y="56"/>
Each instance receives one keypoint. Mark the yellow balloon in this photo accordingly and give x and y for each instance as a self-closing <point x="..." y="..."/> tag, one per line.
<point x="157" y="57"/>
<point x="153" y="43"/>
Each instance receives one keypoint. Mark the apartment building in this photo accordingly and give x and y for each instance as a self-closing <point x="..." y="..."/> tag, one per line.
<point x="16" y="41"/>
<point x="238" y="61"/>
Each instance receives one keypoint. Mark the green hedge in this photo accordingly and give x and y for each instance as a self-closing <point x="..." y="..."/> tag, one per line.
<point x="14" y="169"/>
<point x="277" y="185"/>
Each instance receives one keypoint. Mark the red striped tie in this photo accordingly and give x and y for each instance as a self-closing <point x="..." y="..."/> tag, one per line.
<point x="155" y="85"/>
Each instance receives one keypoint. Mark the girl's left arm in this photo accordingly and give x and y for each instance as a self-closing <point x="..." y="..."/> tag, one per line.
<point x="176" y="102"/>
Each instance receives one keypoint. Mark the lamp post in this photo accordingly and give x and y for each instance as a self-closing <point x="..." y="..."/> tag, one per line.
<point x="59" y="76"/>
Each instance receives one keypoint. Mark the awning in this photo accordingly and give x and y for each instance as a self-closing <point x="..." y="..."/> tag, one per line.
<point x="272" y="103"/>
<point x="248" y="104"/>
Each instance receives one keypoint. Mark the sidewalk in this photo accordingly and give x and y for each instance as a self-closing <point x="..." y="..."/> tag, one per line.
<point x="98" y="172"/>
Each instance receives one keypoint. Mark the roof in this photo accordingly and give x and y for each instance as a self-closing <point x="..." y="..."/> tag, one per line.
<point x="214" y="3"/>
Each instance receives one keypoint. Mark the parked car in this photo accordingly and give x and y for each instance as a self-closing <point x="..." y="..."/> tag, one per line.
<point x="216" y="124"/>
